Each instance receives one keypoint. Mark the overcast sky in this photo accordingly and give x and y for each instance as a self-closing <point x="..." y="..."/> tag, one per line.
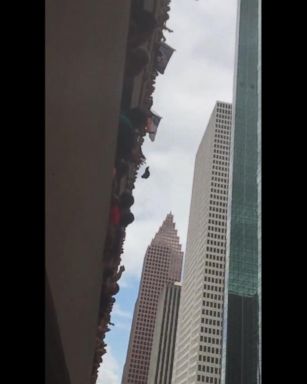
<point x="199" y="73"/>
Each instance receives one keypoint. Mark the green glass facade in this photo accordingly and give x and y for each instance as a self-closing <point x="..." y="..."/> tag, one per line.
<point x="243" y="260"/>
<point x="242" y="305"/>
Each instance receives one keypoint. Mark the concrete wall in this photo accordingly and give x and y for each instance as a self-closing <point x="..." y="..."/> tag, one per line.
<point x="85" y="52"/>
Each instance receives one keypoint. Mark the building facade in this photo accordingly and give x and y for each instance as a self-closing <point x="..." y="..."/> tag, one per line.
<point x="163" y="348"/>
<point x="83" y="87"/>
<point x="199" y="334"/>
<point x="241" y="344"/>
<point x="162" y="265"/>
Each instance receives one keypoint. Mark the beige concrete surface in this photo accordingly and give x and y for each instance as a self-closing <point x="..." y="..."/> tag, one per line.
<point x="85" y="51"/>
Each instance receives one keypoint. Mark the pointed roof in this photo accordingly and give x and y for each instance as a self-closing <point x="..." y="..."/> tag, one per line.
<point x="169" y="219"/>
<point x="167" y="231"/>
<point x="168" y="223"/>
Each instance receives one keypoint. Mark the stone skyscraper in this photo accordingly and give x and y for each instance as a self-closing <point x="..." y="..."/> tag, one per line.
<point x="163" y="348"/>
<point x="242" y="337"/>
<point x="198" y="348"/>
<point x="162" y="265"/>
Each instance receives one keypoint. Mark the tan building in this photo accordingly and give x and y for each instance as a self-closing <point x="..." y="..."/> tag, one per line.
<point x="199" y="334"/>
<point x="84" y="68"/>
<point x="162" y="265"/>
<point x="163" y="347"/>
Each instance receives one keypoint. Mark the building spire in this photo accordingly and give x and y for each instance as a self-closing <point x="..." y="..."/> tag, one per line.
<point x="167" y="231"/>
<point x="168" y="221"/>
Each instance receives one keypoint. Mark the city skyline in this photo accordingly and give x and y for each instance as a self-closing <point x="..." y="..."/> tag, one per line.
<point x="153" y="192"/>
<point x="199" y="73"/>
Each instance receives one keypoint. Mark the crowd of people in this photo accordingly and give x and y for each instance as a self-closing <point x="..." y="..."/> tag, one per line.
<point x="132" y="127"/>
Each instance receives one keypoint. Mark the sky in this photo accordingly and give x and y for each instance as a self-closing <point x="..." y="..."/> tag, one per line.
<point x="199" y="73"/>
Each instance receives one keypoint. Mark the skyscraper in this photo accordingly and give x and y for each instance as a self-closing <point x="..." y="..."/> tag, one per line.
<point x="163" y="348"/>
<point x="241" y="344"/>
<point x="199" y="334"/>
<point x="162" y="265"/>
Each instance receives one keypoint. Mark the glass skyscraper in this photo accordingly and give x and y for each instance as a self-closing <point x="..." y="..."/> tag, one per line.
<point x="242" y="319"/>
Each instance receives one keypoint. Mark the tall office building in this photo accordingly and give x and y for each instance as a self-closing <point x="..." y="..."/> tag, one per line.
<point x="241" y="344"/>
<point x="163" y="348"/>
<point x="199" y="334"/>
<point x="162" y="265"/>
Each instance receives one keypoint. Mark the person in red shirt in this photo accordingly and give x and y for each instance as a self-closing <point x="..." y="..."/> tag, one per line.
<point x="115" y="214"/>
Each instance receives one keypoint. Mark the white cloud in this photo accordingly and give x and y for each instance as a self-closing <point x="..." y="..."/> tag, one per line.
<point x="118" y="312"/>
<point x="199" y="73"/>
<point x="109" y="371"/>
<point x="123" y="326"/>
<point x="123" y="282"/>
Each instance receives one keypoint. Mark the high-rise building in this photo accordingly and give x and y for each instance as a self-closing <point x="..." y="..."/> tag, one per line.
<point x="162" y="265"/>
<point x="241" y="344"/>
<point x="199" y="334"/>
<point x="163" y="348"/>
